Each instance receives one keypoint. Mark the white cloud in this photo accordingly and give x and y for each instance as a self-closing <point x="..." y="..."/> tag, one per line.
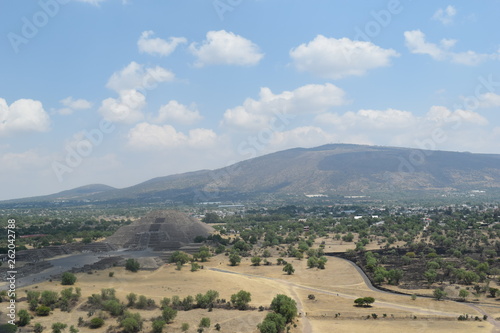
<point x="416" y="43"/>
<point x="443" y="115"/>
<point x="125" y="109"/>
<point x="174" y="111"/>
<point x="226" y="48"/>
<point x="305" y="136"/>
<point x="308" y="99"/>
<point x="137" y="77"/>
<point x="158" y="46"/>
<point x="24" y="160"/>
<point x="373" y="119"/>
<point x="73" y="104"/>
<point x="24" y="115"/>
<point x="403" y="128"/>
<point x="445" y="16"/>
<point x="337" y="58"/>
<point x="145" y="136"/>
<point x="489" y="100"/>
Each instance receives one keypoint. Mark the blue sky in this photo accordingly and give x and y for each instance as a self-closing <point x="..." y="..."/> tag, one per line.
<point x="118" y="92"/>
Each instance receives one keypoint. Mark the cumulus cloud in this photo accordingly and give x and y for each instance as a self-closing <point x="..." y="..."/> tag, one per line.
<point x="446" y="15"/>
<point x="404" y="128"/>
<point x="158" y="46"/>
<point x="125" y="109"/>
<point x="146" y="136"/>
<point x="337" y="58"/>
<point x="374" y="119"/>
<point x="308" y="99"/>
<point x="226" y="48"/>
<point x="416" y="43"/>
<point x="24" y="115"/>
<point x="70" y="105"/>
<point x="489" y="100"/>
<point x="138" y="77"/>
<point x="177" y="112"/>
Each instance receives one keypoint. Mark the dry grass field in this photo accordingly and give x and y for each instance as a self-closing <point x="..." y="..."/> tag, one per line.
<point x="334" y="288"/>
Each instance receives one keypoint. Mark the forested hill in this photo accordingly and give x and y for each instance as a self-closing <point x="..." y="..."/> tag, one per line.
<point x="333" y="170"/>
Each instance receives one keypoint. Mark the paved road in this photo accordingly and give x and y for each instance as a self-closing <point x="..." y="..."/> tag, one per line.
<point x="66" y="263"/>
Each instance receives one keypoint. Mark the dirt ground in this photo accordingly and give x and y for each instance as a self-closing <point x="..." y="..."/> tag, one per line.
<point x="334" y="289"/>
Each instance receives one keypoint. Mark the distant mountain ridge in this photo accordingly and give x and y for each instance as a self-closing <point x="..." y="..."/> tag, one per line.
<point x="334" y="169"/>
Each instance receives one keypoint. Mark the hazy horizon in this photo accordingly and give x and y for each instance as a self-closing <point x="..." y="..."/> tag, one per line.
<point x="118" y="92"/>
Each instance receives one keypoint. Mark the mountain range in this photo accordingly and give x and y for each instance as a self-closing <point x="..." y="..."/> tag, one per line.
<point x="334" y="170"/>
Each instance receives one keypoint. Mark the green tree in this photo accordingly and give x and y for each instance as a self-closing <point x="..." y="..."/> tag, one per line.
<point x="180" y="256"/>
<point x="24" y="317"/>
<point x="38" y="328"/>
<point x="68" y="279"/>
<point x="288" y="268"/>
<point x="168" y="314"/>
<point x="364" y="301"/>
<point x="96" y="322"/>
<point x="203" y="254"/>
<point x="8" y="328"/>
<point x="33" y="297"/>
<point x="42" y="311"/>
<point x="114" y="307"/>
<point x="49" y="298"/>
<point x="241" y="299"/>
<point x="463" y="294"/>
<point x="430" y="275"/>
<point x="58" y="327"/>
<point x="285" y="306"/>
<point x="273" y="323"/>
<point x="204" y="322"/>
<point x="158" y="326"/>
<point x="132" y="265"/>
<point x="234" y="259"/>
<point x="394" y="276"/>
<point x="256" y="261"/>
<point x="131" y="298"/>
<point x="312" y="262"/>
<point x="439" y="294"/>
<point x="73" y="329"/>
<point x="184" y="327"/>
<point x="131" y="322"/>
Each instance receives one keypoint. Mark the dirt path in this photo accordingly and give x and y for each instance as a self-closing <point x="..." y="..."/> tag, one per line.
<point x="306" y="324"/>
<point x="491" y="320"/>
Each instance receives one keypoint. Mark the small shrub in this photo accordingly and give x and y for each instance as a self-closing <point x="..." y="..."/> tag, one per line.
<point x="96" y="322"/>
<point x="68" y="279"/>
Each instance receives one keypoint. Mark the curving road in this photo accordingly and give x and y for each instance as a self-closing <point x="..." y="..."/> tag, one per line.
<point x="306" y="324"/>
